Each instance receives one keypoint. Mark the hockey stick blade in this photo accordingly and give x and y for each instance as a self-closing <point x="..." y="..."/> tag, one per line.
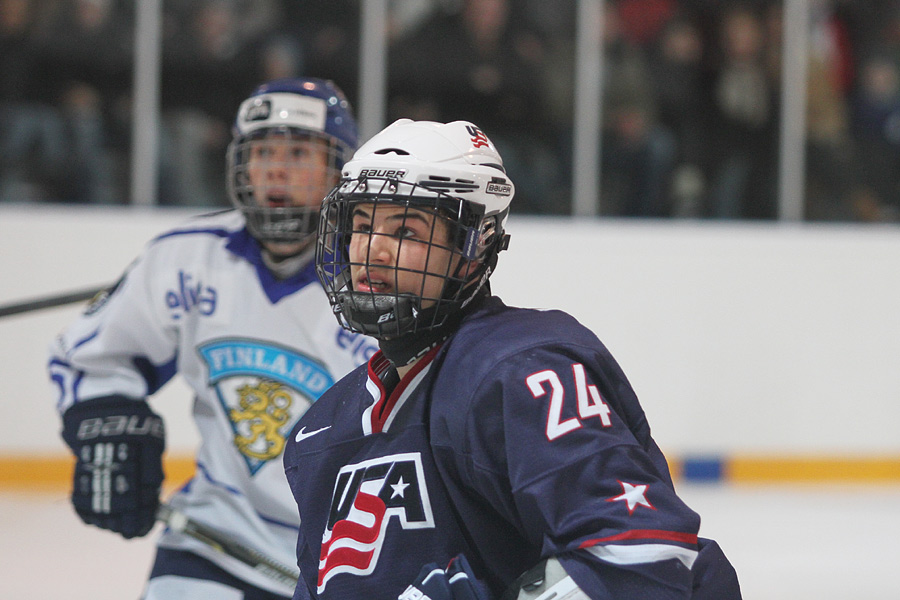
<point x="269" y="567"/>
<point x="24" y="306"/>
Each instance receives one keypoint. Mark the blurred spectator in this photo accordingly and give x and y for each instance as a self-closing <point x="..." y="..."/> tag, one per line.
<point x="207" y="71"/>
<point x="329" y="30"/>
<point x="876" y="128"/>
<point x="642" y="21"/>
<point x="32" y="147"/>
<point x="89" y="44"/>
<point x="483" y="65"/>
<point x="274" y="45"/>
<point x="690" y="113"/>
<point x="555" y="23"/>
<point x="406" y="16"/>
<point x="829" y="152"/>
<point x="680" y="82"/>
<point x="258" y="18"/>
<point x="638" y="153"/>
<point x="280" y="57"/>
<point x="745" y="118"/>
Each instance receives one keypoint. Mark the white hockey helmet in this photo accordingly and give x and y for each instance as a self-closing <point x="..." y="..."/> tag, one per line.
<point x="450" y="169"/>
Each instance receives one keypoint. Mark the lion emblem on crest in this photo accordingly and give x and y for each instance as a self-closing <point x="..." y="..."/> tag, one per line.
<point x="262" y="411"/>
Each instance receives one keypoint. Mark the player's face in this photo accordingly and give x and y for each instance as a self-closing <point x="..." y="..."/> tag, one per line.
<point x="395" y="250"/>
<point x="285" y="171"/>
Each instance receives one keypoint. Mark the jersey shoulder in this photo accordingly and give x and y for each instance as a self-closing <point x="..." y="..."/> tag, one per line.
<point x="498" y="350"/>
<point x="495" y="332"/>
<point x="498" y="345"/>
<point x="201" y="240"/>
<point x="211" y="226"/>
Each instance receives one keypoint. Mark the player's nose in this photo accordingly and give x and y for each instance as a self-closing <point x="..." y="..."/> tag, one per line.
<point x="380" y="248"/>
<point x="277" y="170"/>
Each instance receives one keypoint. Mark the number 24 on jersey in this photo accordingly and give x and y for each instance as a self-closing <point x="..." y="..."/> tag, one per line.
<point x="590" y="403"/>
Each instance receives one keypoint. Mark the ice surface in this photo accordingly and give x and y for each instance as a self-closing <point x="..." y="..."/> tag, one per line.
<point x="787" y="542"/>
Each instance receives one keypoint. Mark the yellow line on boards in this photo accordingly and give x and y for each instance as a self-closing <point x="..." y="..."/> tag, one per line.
<point x="55" y="471"/>
<point x="812" y="469"/>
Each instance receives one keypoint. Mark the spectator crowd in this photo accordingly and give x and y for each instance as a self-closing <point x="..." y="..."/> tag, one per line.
<point x="690" y="111"/>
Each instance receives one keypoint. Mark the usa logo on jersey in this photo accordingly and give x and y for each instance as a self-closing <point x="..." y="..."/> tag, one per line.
<point x="366" y="496"/>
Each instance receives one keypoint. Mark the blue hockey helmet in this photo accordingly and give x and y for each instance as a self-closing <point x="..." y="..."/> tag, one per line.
<point x="299" y="121"/>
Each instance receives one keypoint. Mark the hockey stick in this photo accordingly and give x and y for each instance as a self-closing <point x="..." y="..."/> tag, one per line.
<point x="50" y="301"/>
<point x="269" y="567"/>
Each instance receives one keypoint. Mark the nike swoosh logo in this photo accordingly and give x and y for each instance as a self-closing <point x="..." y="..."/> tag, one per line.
<point x="302" y="435"/>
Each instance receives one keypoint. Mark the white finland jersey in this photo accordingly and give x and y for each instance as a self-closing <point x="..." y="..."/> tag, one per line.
<point x="256" y="351"/>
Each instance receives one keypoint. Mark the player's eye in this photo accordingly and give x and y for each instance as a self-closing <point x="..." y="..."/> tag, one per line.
<point x="362" y="225"/>
<point x="406" y="233"/>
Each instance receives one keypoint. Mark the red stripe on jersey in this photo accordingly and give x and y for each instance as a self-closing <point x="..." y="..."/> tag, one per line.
<point x="357" y="558"/>
<point x="365" y="503"/>
<point x="382" y="409"/>
<point x="378" y="364"/>
<point x="644" y="534"/>
<point x="345" y="557"/>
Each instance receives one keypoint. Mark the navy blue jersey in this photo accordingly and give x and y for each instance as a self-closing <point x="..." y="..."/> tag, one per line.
<point x="518" y="439"/>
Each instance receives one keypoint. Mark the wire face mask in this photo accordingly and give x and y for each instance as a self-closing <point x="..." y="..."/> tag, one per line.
<point x="290" y="140"/>
<point x="409" y="237"/>
<point x="395" y="257"/>
<point x="278" y="179"/>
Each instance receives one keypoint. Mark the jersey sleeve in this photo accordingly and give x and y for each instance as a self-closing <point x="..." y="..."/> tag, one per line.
<point x="570" y="461"/>
<point x="120" y="345"/>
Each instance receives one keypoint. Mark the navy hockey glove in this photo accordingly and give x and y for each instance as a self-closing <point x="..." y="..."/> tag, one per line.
<point x="456" y="582"/>
<point x="118" y="444"/>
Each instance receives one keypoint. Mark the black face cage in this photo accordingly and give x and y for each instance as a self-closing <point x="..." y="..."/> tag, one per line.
<point x="461" y="249"/>
<point x="272" y="211"/>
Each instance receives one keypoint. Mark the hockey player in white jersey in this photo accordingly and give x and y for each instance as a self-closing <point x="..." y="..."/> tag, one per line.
<point x="231" y="302"/>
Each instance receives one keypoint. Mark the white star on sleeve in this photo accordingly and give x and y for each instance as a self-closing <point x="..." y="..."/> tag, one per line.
<point x="633" y="496"/>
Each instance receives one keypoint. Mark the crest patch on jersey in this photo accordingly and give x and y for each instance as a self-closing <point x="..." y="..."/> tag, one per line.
<point x="366" y="495"/>
<point x="264" y="389"/>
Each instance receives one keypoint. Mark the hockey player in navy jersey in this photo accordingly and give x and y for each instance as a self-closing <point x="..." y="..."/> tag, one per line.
<point x="230" y="301"/>
<point x="503" y="442"/>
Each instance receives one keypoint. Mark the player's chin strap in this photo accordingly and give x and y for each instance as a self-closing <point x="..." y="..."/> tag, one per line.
<point x="547" y="580"/>
<point x="407" y="348"/>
